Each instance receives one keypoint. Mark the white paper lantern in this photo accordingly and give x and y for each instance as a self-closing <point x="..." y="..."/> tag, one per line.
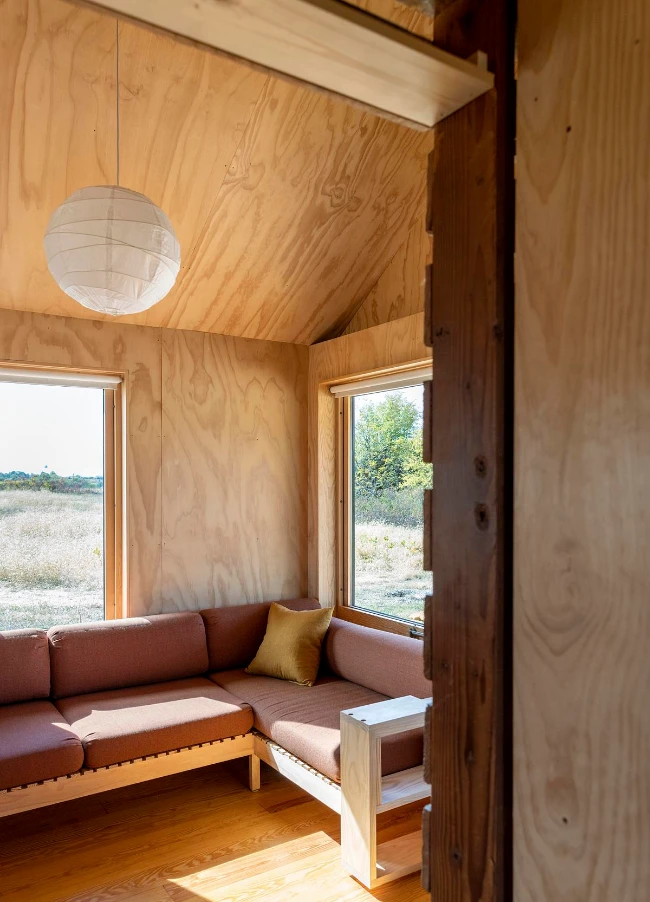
<point x="112" y="250"/>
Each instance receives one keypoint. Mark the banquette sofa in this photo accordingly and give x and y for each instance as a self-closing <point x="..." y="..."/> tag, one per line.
<point x="89" y="707"/>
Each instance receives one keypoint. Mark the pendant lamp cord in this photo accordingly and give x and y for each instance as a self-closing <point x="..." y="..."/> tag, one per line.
<point x="117" y="97"/>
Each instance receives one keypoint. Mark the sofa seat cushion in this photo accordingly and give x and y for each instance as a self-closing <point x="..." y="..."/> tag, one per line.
<point x="36" y="744"/>
<point x="122" y="724"/>
<point x="306" y="720"/>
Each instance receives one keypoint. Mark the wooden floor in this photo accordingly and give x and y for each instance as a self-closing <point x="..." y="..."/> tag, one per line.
<point x="195" y="836"/>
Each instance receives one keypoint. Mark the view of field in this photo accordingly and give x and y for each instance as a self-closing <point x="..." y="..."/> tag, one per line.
<point x="388" y="572"/>
<point x="51" y="557"/>
<point x="389" y="480"/>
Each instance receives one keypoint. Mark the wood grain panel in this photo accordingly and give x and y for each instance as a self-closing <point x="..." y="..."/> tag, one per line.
<point x="234" y="470"/>
<point x="400" y="288"/>
<point x="135" y="352"/>
<point x="57" y="108"/>
<point x="183" y="113"/>
<point x="582" y="575"/>
<point x="313" y="183"/>
<point x="288" y="204"/>
<point x="393" y="344"/>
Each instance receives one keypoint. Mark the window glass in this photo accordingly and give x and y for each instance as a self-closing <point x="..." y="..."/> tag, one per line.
<point x="51" y="505"/>
<point x="388" y="479"/>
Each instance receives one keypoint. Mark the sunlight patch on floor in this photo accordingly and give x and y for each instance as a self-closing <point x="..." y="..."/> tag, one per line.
<point x="278" y="874"/>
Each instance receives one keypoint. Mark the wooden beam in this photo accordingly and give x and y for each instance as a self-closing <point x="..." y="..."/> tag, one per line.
<point x="469" y="325"/>
<point x="328" y="45"/>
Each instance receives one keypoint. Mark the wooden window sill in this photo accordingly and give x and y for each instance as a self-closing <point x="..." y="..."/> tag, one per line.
<point x="375" y="620"/>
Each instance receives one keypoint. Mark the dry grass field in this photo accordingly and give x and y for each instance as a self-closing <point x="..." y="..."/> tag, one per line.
<point x="51" y="566"/>
<point x="388" y="570"/>
<point x="51" y="558"/>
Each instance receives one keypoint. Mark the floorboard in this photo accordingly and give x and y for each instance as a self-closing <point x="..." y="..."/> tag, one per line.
<point x="195" y="837"/>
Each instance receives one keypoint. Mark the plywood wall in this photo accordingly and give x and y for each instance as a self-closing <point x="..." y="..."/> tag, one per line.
<point x="582" y="426"/>
<point x="216" y="455"/>
<point x="234" y="462"/>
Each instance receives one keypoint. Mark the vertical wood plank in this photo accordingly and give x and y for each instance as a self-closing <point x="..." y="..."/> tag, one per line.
<point x="468" y="324"/>
<point x="582" y="569"/>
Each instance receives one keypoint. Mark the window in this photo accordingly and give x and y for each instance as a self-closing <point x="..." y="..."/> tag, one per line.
<point x="383" y="478"/>
<point x="59" y="481"/>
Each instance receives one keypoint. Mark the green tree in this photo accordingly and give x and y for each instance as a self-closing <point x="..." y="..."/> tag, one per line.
<point x="388" y="447"/>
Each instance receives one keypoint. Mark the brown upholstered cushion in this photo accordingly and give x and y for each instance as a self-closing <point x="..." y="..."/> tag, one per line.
<point x="383" y="662"/>
<point x="36" y="744"/>
<point x="291" y="646"/>
<point x="306" y="723"/>
<point x="131" y="723"/>
<point x="24" y="666"/>
<point x="235" y="633"/>
<point x="91" y="657"/>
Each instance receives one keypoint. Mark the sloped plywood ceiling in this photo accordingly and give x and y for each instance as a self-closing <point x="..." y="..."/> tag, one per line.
<point x="288" y="205"/>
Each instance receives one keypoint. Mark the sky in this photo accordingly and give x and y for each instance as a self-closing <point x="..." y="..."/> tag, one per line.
<point x="49" y="427"/>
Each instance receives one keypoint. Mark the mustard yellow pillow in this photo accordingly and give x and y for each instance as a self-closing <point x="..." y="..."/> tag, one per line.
<point x="291" y="646"/>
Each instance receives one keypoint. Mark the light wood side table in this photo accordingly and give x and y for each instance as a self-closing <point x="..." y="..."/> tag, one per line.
<point x="365" y="793"/>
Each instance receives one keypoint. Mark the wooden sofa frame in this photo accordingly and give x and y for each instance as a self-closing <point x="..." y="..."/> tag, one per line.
<point x="253" y="746"/>
<point x="89" y="781"/>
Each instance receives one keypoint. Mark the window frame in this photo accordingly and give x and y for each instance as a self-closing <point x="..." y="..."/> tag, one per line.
<point x="344" y="393"/>
<point x="115" y="597"/>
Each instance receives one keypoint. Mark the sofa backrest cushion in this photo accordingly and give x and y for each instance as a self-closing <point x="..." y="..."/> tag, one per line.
<point x="235" y="633"/>
<point x="117" y="654"/>
<point x="24" y="666"/>
<point x="384" y="662"/>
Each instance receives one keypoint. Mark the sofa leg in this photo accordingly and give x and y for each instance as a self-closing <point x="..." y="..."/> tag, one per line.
<point x="253" y="773"/>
